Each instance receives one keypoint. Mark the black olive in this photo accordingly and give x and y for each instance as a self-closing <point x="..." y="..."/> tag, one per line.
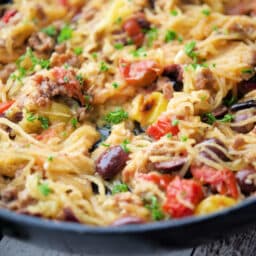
<point x="243" y="105"/>
<point x="137" y="128"/>
<point x="104" y="132"/>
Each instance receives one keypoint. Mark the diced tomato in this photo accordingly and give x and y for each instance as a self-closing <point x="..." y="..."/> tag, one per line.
<point x="223" y="181"/>
<point x="140" y="73"/>
<point x="134" y="31"/>
<point x="6" y="105"/>
<point x="162" y="180"/>
<point x="8" y="14"/>
<point x="182" y="197"/>
<point x="162" y="127"/>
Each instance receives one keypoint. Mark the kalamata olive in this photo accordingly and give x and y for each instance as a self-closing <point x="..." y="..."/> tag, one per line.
<point x="128" y="221"/>
<point x="172" y="165"/>
<point x="246" y="87"/>
<point x="246" y="180"/>
<point x="104" y="133"/>
<point x="142" y="21"/>
<point x="175" y="73"/>
<point x="239" y="117"/>
<point x="209" y="144"/>
<point x="151" y="3"/>
<point x="137" y="128"/>
<point x="243" y="105"/>
<point x="69" y="215"/>
<point x="111" y="162"/>
<point x="220" y="111"/>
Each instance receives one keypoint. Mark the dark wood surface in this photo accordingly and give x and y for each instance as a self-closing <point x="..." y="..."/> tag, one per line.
<point x="236" y="245"/>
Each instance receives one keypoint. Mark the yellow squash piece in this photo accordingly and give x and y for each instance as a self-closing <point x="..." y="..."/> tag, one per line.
<point x="213" y="204"/>
<point x="146" y="109"/>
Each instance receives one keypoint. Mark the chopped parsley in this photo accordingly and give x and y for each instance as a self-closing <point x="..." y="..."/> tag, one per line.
<point x="115" y="85"/>
<point x="247" y="71"/>
<point x="65" y="34"/>
<point x="66" y="79"/>
<point x="227" y="118"/>
<point x="124" y="146"/>
<point x="31" y="117"/>
<point x="119" y="188"/>
<point x="206" y="12"/>
<point x="104" y="67"/>
<point x="50" y="158"/>
<point x="189" y="49"/>
<point x="140" y="52"/>
<point x="183" y="138"/>
<point x="119" y="20"/>
<point x="74" y="122"/>
<point x="152" y="35"/>
<point x="154" y="208"/>
<point x="175" y="122"/>
<point x="78" y="50"/>
<point x="169" y="135"/>
<point x="174" y="12"/>
<point x="95" y="55"/>
<point x="170" y="36"/>
<point x="209" y="118"/>
<point x="119" y="46"/>
<point x="116" y="116"/>
<point x="44" y="122"/>
<point x="80" y="79"/>
<point x="44" y="189"/>
<point x="45" y="64"/>
<point x="105" y="144"/>
<point x="50" y="31"/>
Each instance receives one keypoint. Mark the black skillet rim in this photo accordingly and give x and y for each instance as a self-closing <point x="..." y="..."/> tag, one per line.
<point x="16" y="218"/>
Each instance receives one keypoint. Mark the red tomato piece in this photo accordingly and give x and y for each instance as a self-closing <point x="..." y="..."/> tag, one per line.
<point x="162" y="180"/>
<point x="140" y="73"/>
<point x="6" y="105"/>
<point x="162" y="127"/>
<point x="134" y="31"/>
<point x="8" y="14"/>
<point x="223" y="181"/>
<point x="182" y="197"/>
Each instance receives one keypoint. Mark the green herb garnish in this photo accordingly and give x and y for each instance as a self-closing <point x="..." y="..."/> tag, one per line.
<point x="44" y="122"/>
<point x="154" y="208"/>
<point x="104" y="67"/>
<point x="50" y="31"/>
<point x="44" y="189"/>
<point x="189" y="49"/>
<point x="74" y="122"/>
<point x="65" y="34"/>
<point x="124" y="145"/>
<point x="78" y="50"/>
<point x="206" y="12"/>
<point x="119" y="188"/>
<point x="170" y="36"/>
<point x="119" y="46"/>
<point x="152" y="35"/>
<point x="140" y="52"/>
<point x="227" y="118"/>
<point x="116" y="116"/>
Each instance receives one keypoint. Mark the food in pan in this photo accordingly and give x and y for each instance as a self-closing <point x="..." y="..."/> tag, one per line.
<point x="127" y="111"/>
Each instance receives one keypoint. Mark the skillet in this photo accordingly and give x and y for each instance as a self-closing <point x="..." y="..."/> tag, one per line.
<point x="139" y="238"/>
<point x="171" y="234"/>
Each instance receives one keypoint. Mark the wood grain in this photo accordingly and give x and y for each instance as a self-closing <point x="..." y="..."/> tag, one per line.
<point x="237" y="245"/>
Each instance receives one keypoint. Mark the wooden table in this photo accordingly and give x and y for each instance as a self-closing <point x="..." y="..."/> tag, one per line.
<point x="236" y="245"/>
